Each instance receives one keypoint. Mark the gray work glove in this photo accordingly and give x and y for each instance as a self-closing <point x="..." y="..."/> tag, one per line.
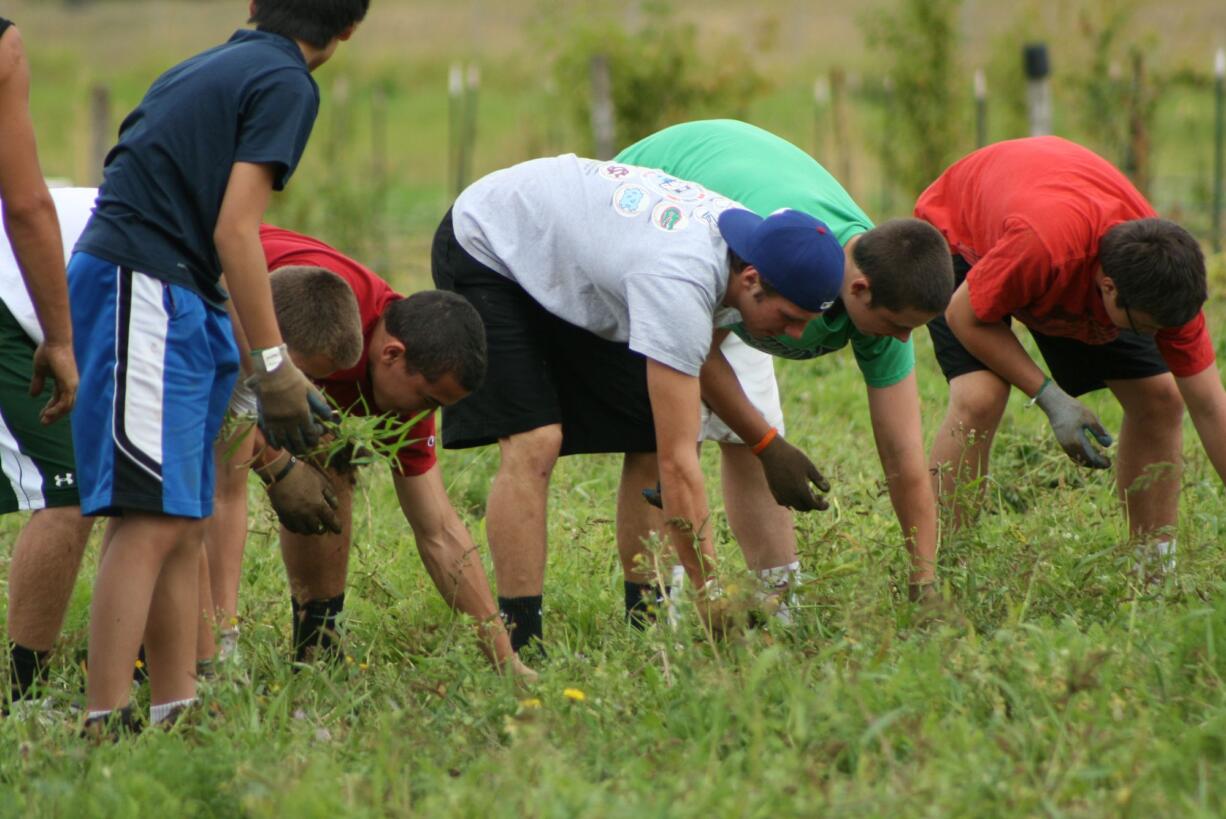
<point x="288" y="402"/>
<point x="1073" y="424"/>
<point x="303" y="498"/>
<point x="789" y="473"/>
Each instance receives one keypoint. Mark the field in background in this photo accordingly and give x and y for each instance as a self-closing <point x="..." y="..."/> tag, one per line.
<point x="1046" y="683"/>
<point x="375" y="182"/>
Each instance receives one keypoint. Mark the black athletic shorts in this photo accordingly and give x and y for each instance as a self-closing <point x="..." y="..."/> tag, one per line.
<point x="1076" y="366"/>
<point x="542" y="370"/>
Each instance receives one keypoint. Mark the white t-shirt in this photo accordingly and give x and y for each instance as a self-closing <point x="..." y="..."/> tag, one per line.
<point x="630" y="254"/>
<point x="73" y="206"/>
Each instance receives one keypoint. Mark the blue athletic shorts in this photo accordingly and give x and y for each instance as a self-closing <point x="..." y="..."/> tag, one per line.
<point x="157" y="367"/>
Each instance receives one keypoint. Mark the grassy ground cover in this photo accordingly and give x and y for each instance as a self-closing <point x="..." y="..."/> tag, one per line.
<point x="1046" y="682"/>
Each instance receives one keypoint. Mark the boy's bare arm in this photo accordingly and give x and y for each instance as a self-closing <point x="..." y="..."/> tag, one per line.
<point x="34" y="230"/>
<point x="287" y="398"/>
<point x="453" y="561"/>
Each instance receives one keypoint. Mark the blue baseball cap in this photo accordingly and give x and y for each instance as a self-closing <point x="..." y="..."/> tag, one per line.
<point x="796" y="254"/>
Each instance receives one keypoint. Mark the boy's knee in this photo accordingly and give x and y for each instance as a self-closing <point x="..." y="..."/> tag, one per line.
<point x="1160" y="407"/>
<point x="532" y="453"/>
<point x="980" y="410"/>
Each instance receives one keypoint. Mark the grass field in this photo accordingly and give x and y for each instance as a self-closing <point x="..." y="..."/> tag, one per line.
<point x="1046" y="683"/>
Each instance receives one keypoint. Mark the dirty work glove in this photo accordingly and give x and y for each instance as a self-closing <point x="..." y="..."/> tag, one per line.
<point x="303" y="499"/>
<point x="1073" y="424"/>
<point x="287" y="401"/>
<point x="789" y="473"/>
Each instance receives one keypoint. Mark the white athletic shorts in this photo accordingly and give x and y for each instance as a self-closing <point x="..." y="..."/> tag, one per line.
<point x="756" y="372"/>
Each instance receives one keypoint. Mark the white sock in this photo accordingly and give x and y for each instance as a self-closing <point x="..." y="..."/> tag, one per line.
<point x="1166" y="553"/>
<point x="98" y="714"/>
<point x="780" y="575"/>
<point x="780" y="578"/>
<point x="158" y="713"/>
<point x="228" y="650"/>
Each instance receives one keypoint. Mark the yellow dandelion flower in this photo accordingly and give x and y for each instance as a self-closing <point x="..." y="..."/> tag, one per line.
<point x="532" y="702"/>
<point x="139" y="663"/>
<point x="349" y="659"/>
<point x="574" y="694"/>
<point x="363" y="666"/>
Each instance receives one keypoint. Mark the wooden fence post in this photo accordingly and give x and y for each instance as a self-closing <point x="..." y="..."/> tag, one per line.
<point x="100" y="131"/>
<point x="602" y="113"/>
<point x="1219" y="127"/>
<point x="981" y="108"/>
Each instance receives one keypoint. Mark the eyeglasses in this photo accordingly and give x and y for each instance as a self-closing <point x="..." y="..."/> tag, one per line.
<point x="1132" y="325"/>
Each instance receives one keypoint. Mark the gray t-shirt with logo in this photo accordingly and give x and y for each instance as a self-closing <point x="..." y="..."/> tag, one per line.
<point x="630" y="254"/>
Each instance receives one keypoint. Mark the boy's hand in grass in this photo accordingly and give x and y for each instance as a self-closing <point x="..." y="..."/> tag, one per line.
<point x="789" y="473"/>
<point x="1073" y="423"/>
<point x="303" y="498"/>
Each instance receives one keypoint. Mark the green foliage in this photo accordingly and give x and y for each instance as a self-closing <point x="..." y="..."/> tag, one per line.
<point x="1117" y="106"/>
<point x="918" y="44"/>
<point x="661" y="71"/>
<point x="1046" y="681"/>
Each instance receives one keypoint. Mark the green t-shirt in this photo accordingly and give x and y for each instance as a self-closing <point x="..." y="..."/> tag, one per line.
<point x="765" y="173"/>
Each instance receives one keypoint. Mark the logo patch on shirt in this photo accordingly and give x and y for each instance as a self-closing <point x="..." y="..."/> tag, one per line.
<point x="673" y="188"/>
<point x="615" y="172"/>
<point x="669" y="217"/>
<point x="65" y="479"/>
<point x="630" y="200"/>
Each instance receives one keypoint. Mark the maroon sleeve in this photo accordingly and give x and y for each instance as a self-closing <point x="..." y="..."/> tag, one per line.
<point x="416" y="454"/>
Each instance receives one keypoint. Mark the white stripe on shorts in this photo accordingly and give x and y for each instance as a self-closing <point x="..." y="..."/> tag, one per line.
<point x="22" y="473"/>
<point x="144" y="384"/>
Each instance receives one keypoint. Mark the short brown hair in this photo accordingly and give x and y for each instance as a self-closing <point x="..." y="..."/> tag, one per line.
<point x="1157" y="267"/>
<point x="908" y="265"/>
<point x="442" y="333"/>
<point x="317" y="313"/>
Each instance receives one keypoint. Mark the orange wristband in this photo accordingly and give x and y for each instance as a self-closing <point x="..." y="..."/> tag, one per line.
<point x="766" y="441"/>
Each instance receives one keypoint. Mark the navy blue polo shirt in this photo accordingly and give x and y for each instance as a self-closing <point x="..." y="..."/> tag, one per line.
<point x="251" y="99"/>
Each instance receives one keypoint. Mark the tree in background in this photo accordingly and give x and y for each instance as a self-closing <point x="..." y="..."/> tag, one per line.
<point x="918" y="43"/>
<point x="660" y="73"/>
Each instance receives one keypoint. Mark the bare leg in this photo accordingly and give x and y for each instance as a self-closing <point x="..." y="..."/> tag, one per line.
<point x="318" y="565"/>
<point x="174" y="614"/>
<point x="964" y="442"/>
<point x="637" y="520"/>
<point x="138" y="547"/>
<point x="206" y="640"/>
<point x="1148" y="460"/>
<point x="225" y="533"/>
<point x="761" y="526"/>
<point x="46" y="559"/>
<point x="515" y="512"/>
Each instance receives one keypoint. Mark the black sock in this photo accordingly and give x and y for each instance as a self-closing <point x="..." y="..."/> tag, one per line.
<point x="522" y="616"/>
<point x="315" y="634"/>
<point x="27" y="668"/>
<point x="643" y="600"/>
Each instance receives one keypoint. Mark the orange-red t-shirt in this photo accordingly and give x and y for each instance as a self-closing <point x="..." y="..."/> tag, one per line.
<point x="351" y="389"/>
<point x="1028" y="214"/>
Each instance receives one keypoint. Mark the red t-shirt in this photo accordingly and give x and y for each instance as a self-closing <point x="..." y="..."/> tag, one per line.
<point x="351" y="389"/>
<point x="1028" y="214"/>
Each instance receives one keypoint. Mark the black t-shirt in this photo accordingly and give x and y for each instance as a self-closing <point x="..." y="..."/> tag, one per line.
<point x="249" y="100"/>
